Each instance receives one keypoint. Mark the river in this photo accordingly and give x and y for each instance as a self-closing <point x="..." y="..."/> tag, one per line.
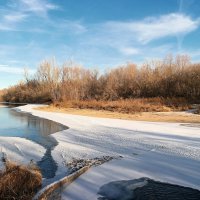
<point x="15" y="124"/>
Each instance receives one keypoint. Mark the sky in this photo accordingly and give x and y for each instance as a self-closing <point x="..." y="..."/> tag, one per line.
<point x="94" y="33"/>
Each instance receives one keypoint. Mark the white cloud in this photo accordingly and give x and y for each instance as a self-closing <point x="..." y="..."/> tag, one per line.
<point x="129" y="51"/>
<point x="152" y="28"/>
<point x="133" y="37"/>
<point x="40" y="7"/>
<point x="16" y="11"/>
<point x="9" y="20"/>
<point x="14" y="70"/>
<point x="76" y="27"/>
<point x="67" y="26"/>
<point x="167" y="25"/>
<point x="14" y="17"/>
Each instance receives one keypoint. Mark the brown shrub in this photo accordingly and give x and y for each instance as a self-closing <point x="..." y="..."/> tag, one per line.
<point x="2" y="92"/>
<point x="168" y="78"/>
<point x="129" y="105"/>
<point x="18" y="182"/>
<point x="198" y="110"/>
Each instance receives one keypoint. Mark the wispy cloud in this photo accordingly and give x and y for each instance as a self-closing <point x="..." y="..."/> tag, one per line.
<point x="14" y="70"/>
<point x="14" y="17"/>
<point x="183" y="6"/>
<point x="39" y="7"/>
<point x="108" y="41"/>
<point x="131" y="38"/>
<point x="72" y="27"/>
<point x="16" y="11"/>
<point x="9" y="19"/>
<point x="152" y="28"/>
<point x="129" y="51"/>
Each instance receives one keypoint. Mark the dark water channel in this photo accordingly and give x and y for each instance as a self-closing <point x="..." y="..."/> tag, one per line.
<point x="15" y="124"/>
<point x="146" y="189"/>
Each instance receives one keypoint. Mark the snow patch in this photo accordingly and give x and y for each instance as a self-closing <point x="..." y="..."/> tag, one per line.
<point x="20" y="150"/>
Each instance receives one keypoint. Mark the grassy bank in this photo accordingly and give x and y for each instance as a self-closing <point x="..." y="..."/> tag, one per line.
<point x="129" y="106"/>
<point x="156" y="109"/>
<point x="198" y="111"/>
<point x="19" y="182"/>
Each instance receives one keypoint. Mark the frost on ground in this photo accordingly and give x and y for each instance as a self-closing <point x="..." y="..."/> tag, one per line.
<point x="77" y="164"/>
<point x="20" y="150"/>
<point x="167" y="152"/>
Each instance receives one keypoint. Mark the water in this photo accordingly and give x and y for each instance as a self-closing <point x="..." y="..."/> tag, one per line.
<point x="146" y="189"/>
<point x="15" y="124"/>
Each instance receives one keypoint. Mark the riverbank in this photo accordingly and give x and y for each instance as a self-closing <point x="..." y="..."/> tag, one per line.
<point x="2" y="106"/>
<point x="166" y="152"/>
<point x="166" y="144"/>
<point x="110" y="179"/>
<point x="177" y="117"/>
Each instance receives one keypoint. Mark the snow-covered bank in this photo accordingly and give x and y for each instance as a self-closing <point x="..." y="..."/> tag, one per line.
<point x="2" y="106"/>
<point x="162" y="151"/>
<point x="20" y="150"/>
<point x="154" y="165"/>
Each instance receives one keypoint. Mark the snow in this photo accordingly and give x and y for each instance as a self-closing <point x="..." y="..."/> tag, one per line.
<point x="20" y="150"/>
<point x="160" y="167"/>
<point x="168" y="152"/>
<point x="2" y="106"/>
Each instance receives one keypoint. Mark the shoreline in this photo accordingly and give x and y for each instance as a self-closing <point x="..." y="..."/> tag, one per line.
<point x="172" y="117"/>
<point x="142" y="144"/>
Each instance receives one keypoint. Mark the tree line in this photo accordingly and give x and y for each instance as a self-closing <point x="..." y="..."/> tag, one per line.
<point x="167" y="78"/>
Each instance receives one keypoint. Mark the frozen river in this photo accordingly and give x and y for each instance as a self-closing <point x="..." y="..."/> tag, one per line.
<point x="38" y="130"/>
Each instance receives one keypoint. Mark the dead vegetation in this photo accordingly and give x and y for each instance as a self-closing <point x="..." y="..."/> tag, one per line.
<point x="19" y="182"/>
<point x="179" y="117"/>
<point x="198" y="110"/>
<point x="2" y="92"/>
<point x="163" y="81"/>
<point x="129" y="106"/>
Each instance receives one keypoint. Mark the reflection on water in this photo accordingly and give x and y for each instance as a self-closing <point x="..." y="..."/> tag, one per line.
<point x="15" y="124"/>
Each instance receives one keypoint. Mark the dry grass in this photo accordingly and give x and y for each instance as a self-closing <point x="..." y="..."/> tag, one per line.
<point x="129" y="106"/>
<point x="18" y="182"/>
<point x="180" y="117"/>
<point x="146" y="109"/>
<point x="198" y="110"/>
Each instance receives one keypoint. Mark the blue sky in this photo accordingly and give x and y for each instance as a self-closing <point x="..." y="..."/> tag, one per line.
<point x="95" y="33"/>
